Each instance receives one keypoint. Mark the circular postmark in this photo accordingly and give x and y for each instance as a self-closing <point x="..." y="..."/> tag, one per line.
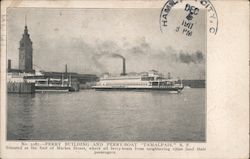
<point x="191" y="9"/>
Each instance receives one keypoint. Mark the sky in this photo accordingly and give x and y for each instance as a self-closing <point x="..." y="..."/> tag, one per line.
<point x="84" y="39"/>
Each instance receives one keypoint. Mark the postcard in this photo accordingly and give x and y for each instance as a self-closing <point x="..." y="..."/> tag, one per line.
<point x="124" y="79"/>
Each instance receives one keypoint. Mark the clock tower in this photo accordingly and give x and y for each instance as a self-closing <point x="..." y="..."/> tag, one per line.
<point x="26" y="52"/>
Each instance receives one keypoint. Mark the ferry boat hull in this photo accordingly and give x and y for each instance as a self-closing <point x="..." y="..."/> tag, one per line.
<point x="99" y="88"/>
<point x="52" y="89"/>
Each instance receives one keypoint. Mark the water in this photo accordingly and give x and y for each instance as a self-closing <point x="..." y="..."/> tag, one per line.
<point x="103" y="115"/>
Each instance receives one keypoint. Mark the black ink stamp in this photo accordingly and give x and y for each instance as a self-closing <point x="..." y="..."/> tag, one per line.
<point x="192" y="8"/>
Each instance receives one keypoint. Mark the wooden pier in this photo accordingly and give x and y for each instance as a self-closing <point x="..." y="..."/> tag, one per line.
<point x="20" y="87"/>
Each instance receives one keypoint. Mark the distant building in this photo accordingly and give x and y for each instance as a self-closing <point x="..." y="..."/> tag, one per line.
<point x="194" y="83"/>
<point x="82" y="78"/>
<point x="26" y="52"/>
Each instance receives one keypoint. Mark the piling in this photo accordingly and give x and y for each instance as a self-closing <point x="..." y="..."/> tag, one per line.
<point x="20" y="87"/>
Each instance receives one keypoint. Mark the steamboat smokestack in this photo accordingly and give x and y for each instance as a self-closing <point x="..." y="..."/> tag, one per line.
<point x="9" y="64"/>
<point x="123" y="67"/>
<point x="66" y="70"/>
<point x="123" y="62"/>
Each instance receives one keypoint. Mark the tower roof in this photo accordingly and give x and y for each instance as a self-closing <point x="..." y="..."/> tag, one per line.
<point x="26" y="36"/>
<point x="26" y="28"/>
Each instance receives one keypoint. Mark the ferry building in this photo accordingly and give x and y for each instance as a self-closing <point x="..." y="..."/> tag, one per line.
<point x="27" y="80"/>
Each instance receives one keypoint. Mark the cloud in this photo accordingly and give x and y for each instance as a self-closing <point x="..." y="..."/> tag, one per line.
<point x="187" y="58"/>
<point x="141" y="47"/>
<point x="100" y="57"/>
<point x="142" y="57"/>
<point x="117" y="56"/>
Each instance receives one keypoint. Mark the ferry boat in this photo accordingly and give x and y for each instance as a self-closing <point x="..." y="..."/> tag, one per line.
<point x="52" y="84"/>
<point x="55" y="84"/>
<point x="151" y="80"/>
